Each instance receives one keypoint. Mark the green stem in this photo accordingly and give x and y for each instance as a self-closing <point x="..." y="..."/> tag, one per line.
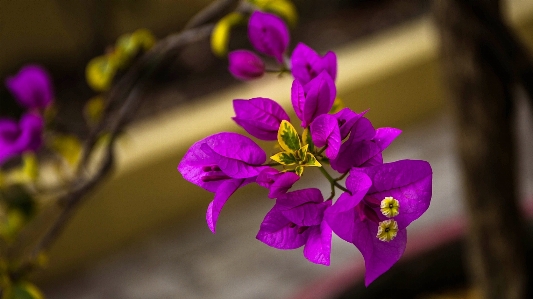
<point x="321" y="151"/>
<point x="342" y="176"/>
<point x="272" y="164"/>
<point x="333" y="182"/>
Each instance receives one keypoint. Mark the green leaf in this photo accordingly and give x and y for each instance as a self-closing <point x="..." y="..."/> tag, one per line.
<point x="285" y="158"/>
<point x="288" y="138"/>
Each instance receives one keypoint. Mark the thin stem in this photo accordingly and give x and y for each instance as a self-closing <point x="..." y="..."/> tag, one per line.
<point x="321" y="151"/>
<point x="333" y="182"/>
<point x="342" y="176"/>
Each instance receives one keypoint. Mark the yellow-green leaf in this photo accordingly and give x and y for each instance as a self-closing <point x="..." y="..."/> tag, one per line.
<point x="129" y="45"/>
<point x="69" y="147"/>
<point x="284" y="9"/>
<point x="307" y="140"/>
<point x="284" y="158"/>
<point x="302" y="152"/>
<point x="25" y="290"/>
<point x="221" y="33"/>
<point x="94" y="109"/>
<point x="144" y="38"/>
<point x="299" y="170"/>
<point x="10" y="225"/>
<point x="337" y="106"/>
<point x="288" y="138"/>
<point x="310" y="160"/>
<point x="30" y="166"/>
<point x="100" y="72"/>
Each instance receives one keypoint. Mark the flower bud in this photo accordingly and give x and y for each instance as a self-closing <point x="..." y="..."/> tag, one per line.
<point x="245" y="65"/>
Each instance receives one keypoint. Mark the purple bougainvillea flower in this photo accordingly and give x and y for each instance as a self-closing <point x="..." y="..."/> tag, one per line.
<point x="31" y="87"/>
<point x="222" y="163"/>
<point x="346" y="118"/>
<point x="245" y="65"/>
<point x="277" y="182"/>
<point x="297" y="220"/>
<point x="313" y="99"/>
<point x="384" y="200"/>
<point x="268" y="34"/>
<point x="306" y="64"/>
<point x="325" y="131"/>
<point x="364" y="146"/>
<point x="19" y="137"/>
<point x="260" y="117"/>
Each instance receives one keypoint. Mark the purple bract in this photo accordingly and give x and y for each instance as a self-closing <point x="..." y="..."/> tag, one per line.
<point x="19" y="137"/>
<point x="277" y="182"/>
<point x="362" y="218"/>
<point x="260" y="117"/>
<point x="245" y="65"/>
<point x="306" y="64"/>
<point x="268" y="34"/>
<point x="31" y="87"/>
<point x="313" y="99"/>
<point x="222" y="163"/>
<point x="297" y="220"/>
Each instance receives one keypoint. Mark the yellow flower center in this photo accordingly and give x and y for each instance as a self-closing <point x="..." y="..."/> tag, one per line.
<point x="390" y="207"/>
<point x="387" y="230"/>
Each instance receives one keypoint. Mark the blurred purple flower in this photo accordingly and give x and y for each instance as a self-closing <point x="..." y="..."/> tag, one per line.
<point x="306" y="64"/>
<point x="222" y="163"/>
<point x="260" y="117"/>
<point x="364" y="217"/>
<point x="19" y="137"/>
<point x="268" y="34"/>
<point x="313" y="99"/>
<point x="245" y="65"/>
<point x="31" y="87"/>
<point x="277" y="182"/>
<point x="297" y="220"/>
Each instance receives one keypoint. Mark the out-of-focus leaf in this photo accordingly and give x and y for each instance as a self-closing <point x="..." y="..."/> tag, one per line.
<point x="144" y="38"/>
<point x="129" y="45"/>
<point x="67" y="146"/>
<point x="11" y="225"/>
<point x="30" y="166"/>
<point x="93" y="110"/>
<point x="100" y="72"/>
<point x="282" y="8"/>
<point x="25" y="290"/>
<point x="17" y="198"/>
<point x="221" y="33"/>
<point x="337" y="106"/>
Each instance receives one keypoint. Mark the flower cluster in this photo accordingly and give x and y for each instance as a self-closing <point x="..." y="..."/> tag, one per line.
<point x="32" y="88"/>
<point x="378" y="201"/>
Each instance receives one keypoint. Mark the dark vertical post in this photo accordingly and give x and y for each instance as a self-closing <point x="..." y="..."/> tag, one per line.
<point x="480" y="89"/>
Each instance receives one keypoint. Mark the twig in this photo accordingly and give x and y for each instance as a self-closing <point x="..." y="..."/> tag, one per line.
<point x="122" y="103"/>
<point x="215" y="10"/>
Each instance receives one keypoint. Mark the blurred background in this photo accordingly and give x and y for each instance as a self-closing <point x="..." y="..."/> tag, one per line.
<point x="142" y="234"/>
